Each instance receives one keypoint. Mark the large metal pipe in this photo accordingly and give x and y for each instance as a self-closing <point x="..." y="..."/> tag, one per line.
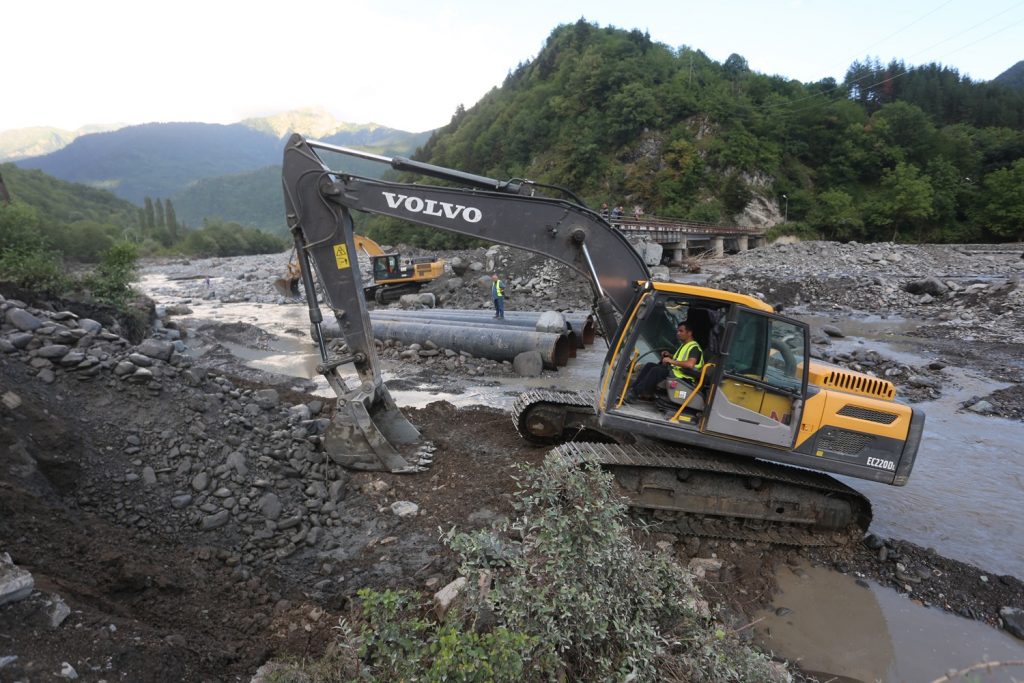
<point x="580" y="323"/>
<point x="488" y="341"/>
<point x="478" y="323"/>
<point x="476" y="320"/>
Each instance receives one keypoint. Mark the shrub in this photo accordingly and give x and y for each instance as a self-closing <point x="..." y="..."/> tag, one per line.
<point x="35" y="269"/>
<point x="578" y="582"/>
<point x="575" y="599"/>
<point x="111" y="281"/>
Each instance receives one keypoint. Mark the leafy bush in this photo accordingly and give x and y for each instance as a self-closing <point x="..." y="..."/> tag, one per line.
<point x="35" y="269"/>
<point x="575" y="599"/>
<point x="111" y="281"/>
<point x="579" y="583"/>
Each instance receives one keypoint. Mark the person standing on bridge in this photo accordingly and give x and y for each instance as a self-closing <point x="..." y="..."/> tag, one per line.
<point x="498" y="295"/>
<point x="638" y="211"/>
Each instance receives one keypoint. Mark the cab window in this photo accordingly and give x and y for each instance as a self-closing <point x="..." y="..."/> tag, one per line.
<point x="767" y="350"/>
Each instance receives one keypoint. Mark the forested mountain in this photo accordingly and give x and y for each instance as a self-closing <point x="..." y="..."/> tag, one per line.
<point x="158" y="159"/>
<point x="72" y="218"/>
<point x="213" y="170"/>
<point x="21" y="143"/>
<point x="255" y="198"/>
<point x="1012" y="77"/>
<point x="918" y="153"/>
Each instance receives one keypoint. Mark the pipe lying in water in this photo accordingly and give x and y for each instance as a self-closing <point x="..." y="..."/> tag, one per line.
<point x="580" y="323"/>
<point x="487" y="341"/>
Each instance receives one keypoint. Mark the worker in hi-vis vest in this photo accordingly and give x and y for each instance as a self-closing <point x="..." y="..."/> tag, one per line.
<point x="498" y="294"/>
<point x="685" y="363"/>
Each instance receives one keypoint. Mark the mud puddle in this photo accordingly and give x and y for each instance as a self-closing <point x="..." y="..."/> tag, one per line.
<point x="962" y="498"/>
<point x="847" y="630"/>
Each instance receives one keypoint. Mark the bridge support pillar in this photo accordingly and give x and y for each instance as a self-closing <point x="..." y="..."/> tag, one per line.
<point x="757" y="242"/>
<point x="742" y="243"/>
<point x="718" y="246"/>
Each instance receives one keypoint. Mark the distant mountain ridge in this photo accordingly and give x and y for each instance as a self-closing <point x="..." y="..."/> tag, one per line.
<point x="158" y="159"/>
<point x="21" y="143"/>
<point x="170" y="159"/>
<point x="1012" y="77"/>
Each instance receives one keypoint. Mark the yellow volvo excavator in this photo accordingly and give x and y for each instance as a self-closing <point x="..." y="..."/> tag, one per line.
<point x="392" y="275"/>
<point x="740" y="451"/>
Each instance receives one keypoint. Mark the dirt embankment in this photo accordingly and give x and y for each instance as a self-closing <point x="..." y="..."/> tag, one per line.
<point x="184" y="514"/>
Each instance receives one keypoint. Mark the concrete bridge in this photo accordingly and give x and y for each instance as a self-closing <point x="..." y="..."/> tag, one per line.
<point x="682" y="238"/>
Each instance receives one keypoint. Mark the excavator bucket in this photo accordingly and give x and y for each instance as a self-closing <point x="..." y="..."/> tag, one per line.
<point x="363" y="434"/>
<point x="287" y="286"/>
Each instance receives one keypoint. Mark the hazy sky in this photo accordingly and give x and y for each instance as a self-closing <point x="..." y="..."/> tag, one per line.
<point x="409" y="63"/>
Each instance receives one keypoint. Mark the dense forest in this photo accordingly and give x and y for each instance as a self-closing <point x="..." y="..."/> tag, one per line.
<point x="50" y="223"/>
<point x="894" y="152"/>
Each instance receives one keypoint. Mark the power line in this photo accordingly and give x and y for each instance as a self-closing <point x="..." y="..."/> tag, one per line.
<point x="905" y="71"/>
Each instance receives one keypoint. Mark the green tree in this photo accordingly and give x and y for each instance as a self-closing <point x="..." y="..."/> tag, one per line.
<point x="150" y="222"/>
<point x="1002" y="213"/>
<point x="161" y="219"/>
<point x="905" y="202"/>
<point x="172" y="220"/>
<point x="835" y="216"/>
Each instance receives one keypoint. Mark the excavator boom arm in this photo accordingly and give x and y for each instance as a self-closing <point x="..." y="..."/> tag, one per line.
<point x="319" y="204"/>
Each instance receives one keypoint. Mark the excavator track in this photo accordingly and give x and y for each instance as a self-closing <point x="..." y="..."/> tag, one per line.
<point x="703" y="493"/>
<point x="547" y="417"/>
<point x="695" y="491"/>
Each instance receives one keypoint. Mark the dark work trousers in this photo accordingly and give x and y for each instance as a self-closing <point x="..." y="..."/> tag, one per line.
<point x="647" y="381"/>
<point x="499" y="307"/>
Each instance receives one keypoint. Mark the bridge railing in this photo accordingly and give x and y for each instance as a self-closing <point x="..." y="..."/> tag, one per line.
<point x="666" y="225"/>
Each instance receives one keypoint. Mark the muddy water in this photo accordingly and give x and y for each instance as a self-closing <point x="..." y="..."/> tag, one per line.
<point x="832" y="625"/>
<point x="963" y="498"/>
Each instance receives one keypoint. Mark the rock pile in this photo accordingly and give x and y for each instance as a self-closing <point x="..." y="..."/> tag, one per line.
<point x="203" y="454"/>
<point x="961" y="291"/>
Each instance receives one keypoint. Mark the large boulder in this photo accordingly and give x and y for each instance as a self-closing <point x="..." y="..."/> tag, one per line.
<point x="551" y="321"/>
<point x="929" y="285"/>
<point x="528" y="364"/>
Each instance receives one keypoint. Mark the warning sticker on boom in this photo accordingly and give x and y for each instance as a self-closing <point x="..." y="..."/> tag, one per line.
<point x="341" y="256"/>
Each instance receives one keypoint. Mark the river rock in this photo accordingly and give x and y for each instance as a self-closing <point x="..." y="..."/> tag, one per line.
<point x="215" y="521"/>
<point x="458" y="266"/>
<point x="53" y="351"/>
<point x="270" y="506"/>
<point x="267" y="398"/>
<point x="1013" y="620"/>
<point x="404" y="508"/>
<point x="155" y="348"/>
<point x="528" y="364"/>
<point x="23" y="320"/>
<point x="551" y="321"/>
<point x="15" y="583"/>
<point x="832" y="331"/>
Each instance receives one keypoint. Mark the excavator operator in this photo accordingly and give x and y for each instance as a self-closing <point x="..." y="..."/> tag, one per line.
<point x="684" y="364"/>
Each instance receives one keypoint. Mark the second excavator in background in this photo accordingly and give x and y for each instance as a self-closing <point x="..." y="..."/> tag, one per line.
<point x="392" y="274"/>
<point x="743" y="450"/>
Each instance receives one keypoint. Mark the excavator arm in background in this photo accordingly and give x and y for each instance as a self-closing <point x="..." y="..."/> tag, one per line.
<point x="319" y="203"/>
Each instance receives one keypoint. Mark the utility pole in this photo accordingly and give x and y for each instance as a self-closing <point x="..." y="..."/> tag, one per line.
<point x="785" y="218"/>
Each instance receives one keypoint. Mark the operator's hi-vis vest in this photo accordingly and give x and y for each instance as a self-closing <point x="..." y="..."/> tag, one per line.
<point x="497" y="289"/>
<point x="682" y="354"/>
